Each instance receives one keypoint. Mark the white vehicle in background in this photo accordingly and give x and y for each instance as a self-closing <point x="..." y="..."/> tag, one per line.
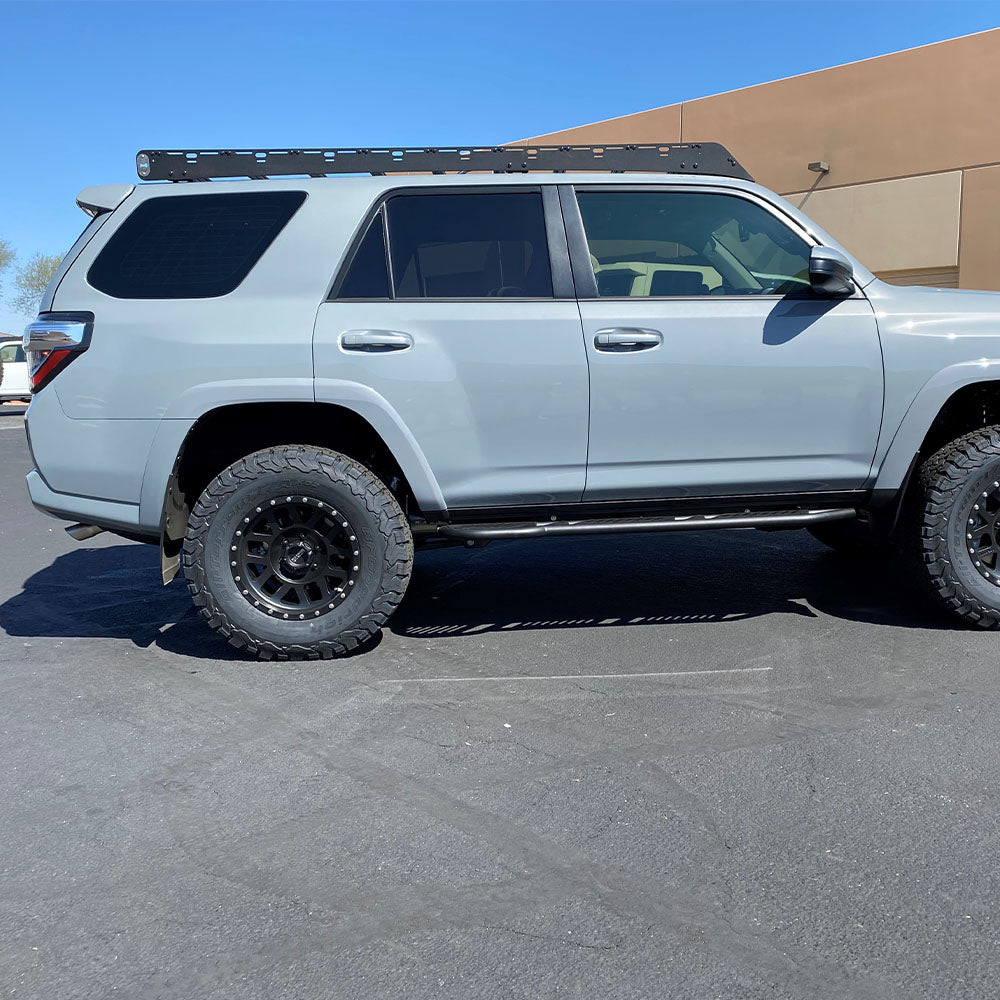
<point x="14" y="382"/>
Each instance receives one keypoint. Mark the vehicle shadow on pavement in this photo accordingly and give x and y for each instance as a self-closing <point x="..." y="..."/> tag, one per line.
<point x="110" y="592"/>
<point x="654" y="580"/>
<point x="115" y="592"/>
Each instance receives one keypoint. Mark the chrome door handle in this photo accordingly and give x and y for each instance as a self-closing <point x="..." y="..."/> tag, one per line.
<point x="375" y="341"/>
<point x="627" y="338"/>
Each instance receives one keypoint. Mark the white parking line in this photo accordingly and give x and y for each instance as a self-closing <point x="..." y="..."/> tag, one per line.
<point x="578" y="677"/>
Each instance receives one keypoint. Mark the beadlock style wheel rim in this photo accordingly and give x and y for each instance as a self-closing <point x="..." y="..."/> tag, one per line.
<point x="295" y="557"/>
<point x="982" y="534"/>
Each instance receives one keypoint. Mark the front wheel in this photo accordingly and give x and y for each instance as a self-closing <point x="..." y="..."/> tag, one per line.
<point x="955" y="528"/>
<point x="297" y="552"/>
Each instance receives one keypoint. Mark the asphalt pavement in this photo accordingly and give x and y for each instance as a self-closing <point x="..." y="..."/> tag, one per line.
<point x="718" y="765"/>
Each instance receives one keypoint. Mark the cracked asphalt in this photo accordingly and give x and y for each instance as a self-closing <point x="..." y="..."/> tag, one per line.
<point x="721" y="765"/>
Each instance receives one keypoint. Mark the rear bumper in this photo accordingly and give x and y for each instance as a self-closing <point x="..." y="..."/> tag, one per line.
<point x="93" y="470"/>
<point x="67" y="507"/>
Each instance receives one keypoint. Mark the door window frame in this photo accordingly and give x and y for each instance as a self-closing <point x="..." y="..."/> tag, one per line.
<point x="579" y="249"/>
<point x="560" y="267"/>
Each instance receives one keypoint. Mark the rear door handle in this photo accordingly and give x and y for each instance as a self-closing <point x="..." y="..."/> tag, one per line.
<point x="375" y="341"/>
<point x="627" y="338"/>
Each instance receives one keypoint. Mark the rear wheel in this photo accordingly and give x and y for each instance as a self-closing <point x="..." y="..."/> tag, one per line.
<point x="955" y="526"/>
<point x="297" y="552"/>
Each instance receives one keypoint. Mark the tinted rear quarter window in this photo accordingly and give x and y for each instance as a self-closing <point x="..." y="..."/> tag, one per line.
<point x="368" y="274"/>
<point x="191" y="246"/>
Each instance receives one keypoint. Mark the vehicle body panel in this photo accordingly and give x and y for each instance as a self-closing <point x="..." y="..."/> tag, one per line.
<point x="175" y="360"/>
<point x="98" y="459"/>
<point x="746" y="394"/>
<point x="92" y="228"/>
<point x="490" y="406"/>
<point x="493" y="392"/>
<point x="73" y="507"/>
<point x="935" y="341"/>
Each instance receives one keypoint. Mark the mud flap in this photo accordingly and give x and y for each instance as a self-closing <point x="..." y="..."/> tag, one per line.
<point x="175" y="518"/>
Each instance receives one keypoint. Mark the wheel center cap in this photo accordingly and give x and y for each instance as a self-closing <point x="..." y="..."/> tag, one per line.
<point x="297" y="555"/>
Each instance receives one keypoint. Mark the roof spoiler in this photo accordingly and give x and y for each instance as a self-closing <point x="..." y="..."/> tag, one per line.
<point x="103" y="198"/>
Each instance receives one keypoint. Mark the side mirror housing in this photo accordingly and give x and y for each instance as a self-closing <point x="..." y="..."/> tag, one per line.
<point x="830" y="272"/>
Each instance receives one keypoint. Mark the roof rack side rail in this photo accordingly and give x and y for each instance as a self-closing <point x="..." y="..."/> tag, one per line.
<point x="652" y="157"/>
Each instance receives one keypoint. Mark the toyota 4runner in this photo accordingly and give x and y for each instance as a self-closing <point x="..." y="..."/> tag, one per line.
<point x="289" y="381"/>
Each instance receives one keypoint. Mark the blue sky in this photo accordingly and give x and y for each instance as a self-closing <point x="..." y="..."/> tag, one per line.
<point x="85" y="84"/>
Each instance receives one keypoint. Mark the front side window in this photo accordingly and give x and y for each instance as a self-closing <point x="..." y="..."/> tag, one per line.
<point x="462" y="246"/>
<point x="191" y="246"/>
<point x="12" y="354"/>
<point x="652" y="244"/>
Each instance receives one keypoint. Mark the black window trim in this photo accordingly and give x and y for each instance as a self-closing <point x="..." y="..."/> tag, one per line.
<point x="576" y="238"/>
<point x="558" y="249"/>
<point x="579" y="249"/>
<point x="186" y="298"/>
<point x="383" y="214"/>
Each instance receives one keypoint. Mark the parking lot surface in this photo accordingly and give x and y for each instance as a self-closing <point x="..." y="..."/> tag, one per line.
<point x="716" y="765"/>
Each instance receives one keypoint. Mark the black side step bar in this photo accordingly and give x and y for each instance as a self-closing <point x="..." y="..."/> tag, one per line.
<point x="679" y="522"/>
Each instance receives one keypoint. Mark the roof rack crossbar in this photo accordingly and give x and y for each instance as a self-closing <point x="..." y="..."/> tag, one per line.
<point x="651" y="157"/>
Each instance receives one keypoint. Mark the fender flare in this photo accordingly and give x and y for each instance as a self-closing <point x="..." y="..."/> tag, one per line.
<point x="922" y="411"/>
<point x="198" y="401"/>
<point x="391" y="427"/>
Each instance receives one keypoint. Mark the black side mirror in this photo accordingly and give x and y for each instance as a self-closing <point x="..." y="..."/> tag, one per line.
<point x="830" y="272"/>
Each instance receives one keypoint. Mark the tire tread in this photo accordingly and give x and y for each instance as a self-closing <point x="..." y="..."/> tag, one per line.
<point x="939" y="480"/>
<point x="340" y="469"/>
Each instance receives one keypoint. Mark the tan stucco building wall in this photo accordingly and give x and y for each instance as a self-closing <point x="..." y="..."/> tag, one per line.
<point x="913" y="144"/>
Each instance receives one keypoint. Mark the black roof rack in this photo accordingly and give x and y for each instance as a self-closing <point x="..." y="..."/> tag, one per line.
<point x="649" y="157"/>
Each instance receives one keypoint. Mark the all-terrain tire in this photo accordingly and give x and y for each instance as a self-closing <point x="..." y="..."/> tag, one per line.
<point x="952" y="486"/>
<point x="334" y="482"/>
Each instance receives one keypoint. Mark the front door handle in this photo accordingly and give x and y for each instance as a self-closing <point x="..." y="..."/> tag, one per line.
<point x="627" y="338"/>
<point x="375" y="341"/>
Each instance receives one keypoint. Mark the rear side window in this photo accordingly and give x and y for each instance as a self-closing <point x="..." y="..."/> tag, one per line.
<point x="368" y="275"/>
<point x="191" y="246"/>
<point x="460" y="246"/>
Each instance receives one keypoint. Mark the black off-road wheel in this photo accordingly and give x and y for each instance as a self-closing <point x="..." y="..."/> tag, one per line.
<point x="297" y="553"/>
<point x="955" y="526"/>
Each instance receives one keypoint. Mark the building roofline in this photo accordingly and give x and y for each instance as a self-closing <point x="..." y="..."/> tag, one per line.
<point x="764" y="83"/>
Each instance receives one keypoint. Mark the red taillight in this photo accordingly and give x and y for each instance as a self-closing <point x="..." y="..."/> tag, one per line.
<point x="49" y="363"/>
<point x="53" y="341"/>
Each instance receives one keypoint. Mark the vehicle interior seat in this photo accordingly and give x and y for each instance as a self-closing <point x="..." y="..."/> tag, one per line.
<point x="616" y="281"/>
<point x="670" y="282"/>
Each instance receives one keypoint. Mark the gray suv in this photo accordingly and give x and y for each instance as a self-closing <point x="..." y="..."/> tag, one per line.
<point x="289" y="381"/>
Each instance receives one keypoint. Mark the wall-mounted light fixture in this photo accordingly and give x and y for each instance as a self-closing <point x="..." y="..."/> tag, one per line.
<point x="819" y="167"/>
